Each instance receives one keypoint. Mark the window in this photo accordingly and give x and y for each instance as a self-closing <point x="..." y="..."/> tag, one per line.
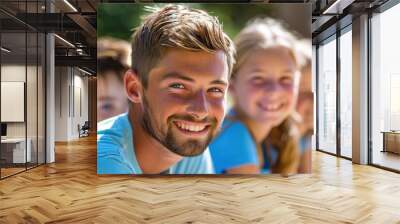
<point x="327" y="96"/>
<point x="22" y="75"/>
<point x="385" y="89"/>
<point x="346" y="93"/>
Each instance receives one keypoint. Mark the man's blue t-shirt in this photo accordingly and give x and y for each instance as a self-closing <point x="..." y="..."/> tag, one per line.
<point x="116" y="152"/>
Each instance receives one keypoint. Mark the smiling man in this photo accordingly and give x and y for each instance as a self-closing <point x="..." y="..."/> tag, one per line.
<point x="181" y="60"/>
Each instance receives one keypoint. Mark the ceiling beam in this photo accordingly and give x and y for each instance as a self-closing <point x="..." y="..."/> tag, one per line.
<point x="337" y="7"/>
<point x="78" y="61"/>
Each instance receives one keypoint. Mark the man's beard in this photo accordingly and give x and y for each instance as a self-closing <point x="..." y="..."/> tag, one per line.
<point x="170" y="141"/>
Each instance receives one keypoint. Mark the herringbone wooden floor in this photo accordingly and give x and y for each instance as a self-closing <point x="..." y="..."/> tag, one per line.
<point x="70" y="191"/>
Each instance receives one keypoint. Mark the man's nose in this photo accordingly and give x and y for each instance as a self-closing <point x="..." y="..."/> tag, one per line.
<point x="198" y="105"/>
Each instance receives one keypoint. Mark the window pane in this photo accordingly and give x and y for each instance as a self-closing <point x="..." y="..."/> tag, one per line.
<point x="327" y="96"/>
<point x="14" y="153"/>
<point x="346" y="94"/>
<point x="41" y="98"/>
<point x="386" y="89"/>
<point x="31" y="97"/>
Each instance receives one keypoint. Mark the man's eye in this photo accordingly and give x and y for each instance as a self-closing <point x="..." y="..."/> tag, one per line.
<point x="177" y="86"/>
<point x="216" y="90"/>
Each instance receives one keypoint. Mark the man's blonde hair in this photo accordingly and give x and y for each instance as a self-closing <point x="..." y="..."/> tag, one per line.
<point x="177" y="27"/>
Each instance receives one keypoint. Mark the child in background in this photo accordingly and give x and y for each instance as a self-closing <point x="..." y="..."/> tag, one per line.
<point x="259" y="134"/>
<point x="113" y="59"/>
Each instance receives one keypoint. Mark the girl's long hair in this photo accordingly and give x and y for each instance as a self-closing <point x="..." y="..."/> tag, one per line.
<point x="285" y="138"/>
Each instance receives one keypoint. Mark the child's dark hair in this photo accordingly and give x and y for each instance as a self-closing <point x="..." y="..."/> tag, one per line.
<point x="113" y="56"/>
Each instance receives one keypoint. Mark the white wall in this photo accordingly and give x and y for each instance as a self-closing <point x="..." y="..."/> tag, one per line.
<point x="33" y="126"/>
<point x="80" y="109"/>
<point x="61" y="103"/>
<point x="15" y="73"/>
<point x="70" y="83"/>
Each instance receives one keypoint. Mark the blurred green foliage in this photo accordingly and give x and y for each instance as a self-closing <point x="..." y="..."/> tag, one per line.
<point x="118" y="20"/>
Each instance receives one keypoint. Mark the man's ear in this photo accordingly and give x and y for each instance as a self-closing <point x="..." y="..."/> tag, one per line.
<point x="133" y="86"/>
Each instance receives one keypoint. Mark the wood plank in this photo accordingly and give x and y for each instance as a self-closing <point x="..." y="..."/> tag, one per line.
<point x="70" y="191"/>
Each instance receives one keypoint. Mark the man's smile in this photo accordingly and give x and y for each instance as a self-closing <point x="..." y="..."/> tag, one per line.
<point x="193" y="129"/>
